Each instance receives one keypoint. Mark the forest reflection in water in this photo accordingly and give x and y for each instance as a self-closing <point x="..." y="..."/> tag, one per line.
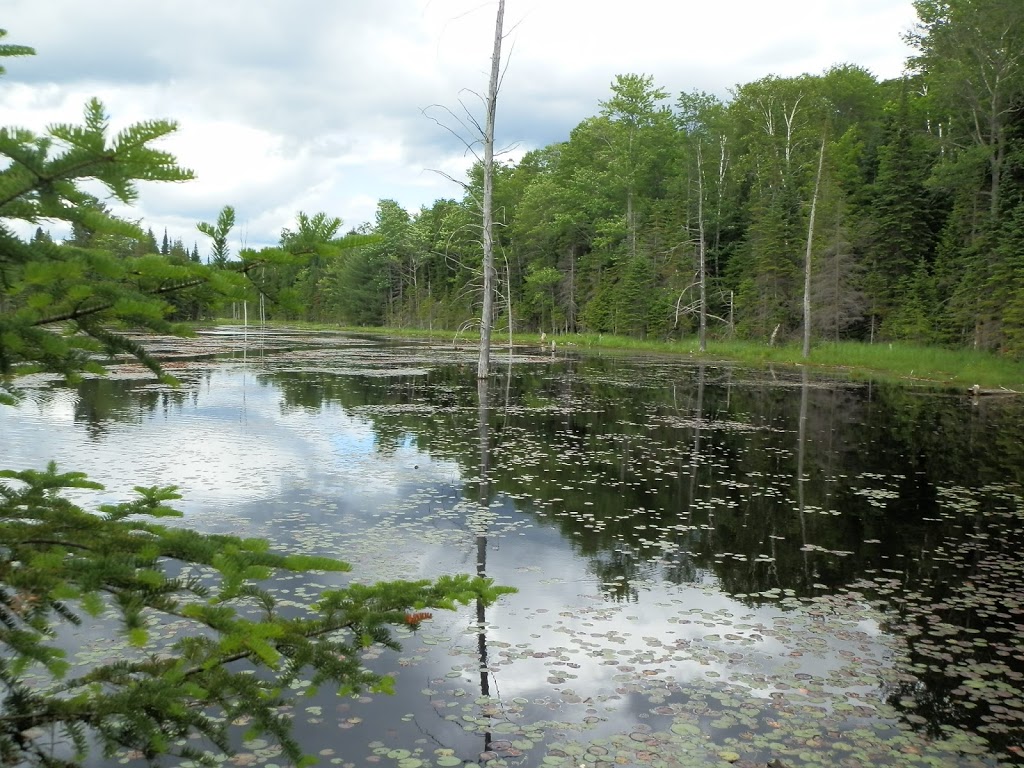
<point x="714" y="564"/>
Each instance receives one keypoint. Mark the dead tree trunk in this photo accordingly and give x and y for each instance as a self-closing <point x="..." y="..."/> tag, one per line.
<point x="487" y="314"/>
<point x="702" y="271"/>
<point x="807" y="257"/>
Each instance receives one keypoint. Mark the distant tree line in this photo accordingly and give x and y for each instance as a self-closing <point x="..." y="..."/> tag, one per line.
<point x="656" y="211"/>
<point x="919" y="231"/>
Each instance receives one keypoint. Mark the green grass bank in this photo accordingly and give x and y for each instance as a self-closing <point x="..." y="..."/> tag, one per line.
<point x="925" y="365"/>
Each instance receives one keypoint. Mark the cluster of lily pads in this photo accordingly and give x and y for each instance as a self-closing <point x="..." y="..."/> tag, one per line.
<point x="708" y="573"/>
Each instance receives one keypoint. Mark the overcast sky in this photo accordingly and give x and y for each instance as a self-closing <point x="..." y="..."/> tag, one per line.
<point x="289" y="105"/>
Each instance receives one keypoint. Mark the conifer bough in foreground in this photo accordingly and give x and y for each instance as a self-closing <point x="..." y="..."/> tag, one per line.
<point x="210" y="645"/>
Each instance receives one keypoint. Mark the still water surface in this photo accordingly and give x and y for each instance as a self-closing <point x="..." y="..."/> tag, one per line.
<point x="715" y="565"/>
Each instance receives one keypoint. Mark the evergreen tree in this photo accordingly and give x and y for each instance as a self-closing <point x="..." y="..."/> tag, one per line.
<point x="148" y="244"/>
<point x="64" y="565"/>
<point x="219" y="233"/>
<point x="632" y="299"/>
<point x="913" y="319"/>
<point x="177" y="253"/>
<point x="902" y="231"/>
<point x="769" y="275"/>
<point x="1007" y="283"/>
<point x="358" y="289"/>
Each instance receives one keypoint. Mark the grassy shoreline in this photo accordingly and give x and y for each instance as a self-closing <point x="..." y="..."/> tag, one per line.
<point x="929" y="366"/>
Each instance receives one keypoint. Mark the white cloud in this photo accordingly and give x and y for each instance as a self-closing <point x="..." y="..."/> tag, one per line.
<point x="319" y="106"/>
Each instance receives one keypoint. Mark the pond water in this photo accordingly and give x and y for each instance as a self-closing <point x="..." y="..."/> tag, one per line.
<point x="715" y="565"/>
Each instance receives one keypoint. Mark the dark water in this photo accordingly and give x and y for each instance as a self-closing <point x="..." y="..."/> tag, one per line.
<point x="715" y="565"/>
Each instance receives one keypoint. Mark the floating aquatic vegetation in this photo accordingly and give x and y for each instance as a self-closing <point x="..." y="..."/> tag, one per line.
<point x="703" y="581"/>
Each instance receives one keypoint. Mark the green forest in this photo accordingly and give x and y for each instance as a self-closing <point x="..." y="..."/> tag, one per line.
<point x="894" y="209"/>
<point x="916" y="187"/>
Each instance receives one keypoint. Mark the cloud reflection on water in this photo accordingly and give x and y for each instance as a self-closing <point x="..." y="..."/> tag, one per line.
<point x="385" y="483"/>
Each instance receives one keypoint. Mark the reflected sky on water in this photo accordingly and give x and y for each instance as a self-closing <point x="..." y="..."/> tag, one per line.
<point x="715" y="565"/>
